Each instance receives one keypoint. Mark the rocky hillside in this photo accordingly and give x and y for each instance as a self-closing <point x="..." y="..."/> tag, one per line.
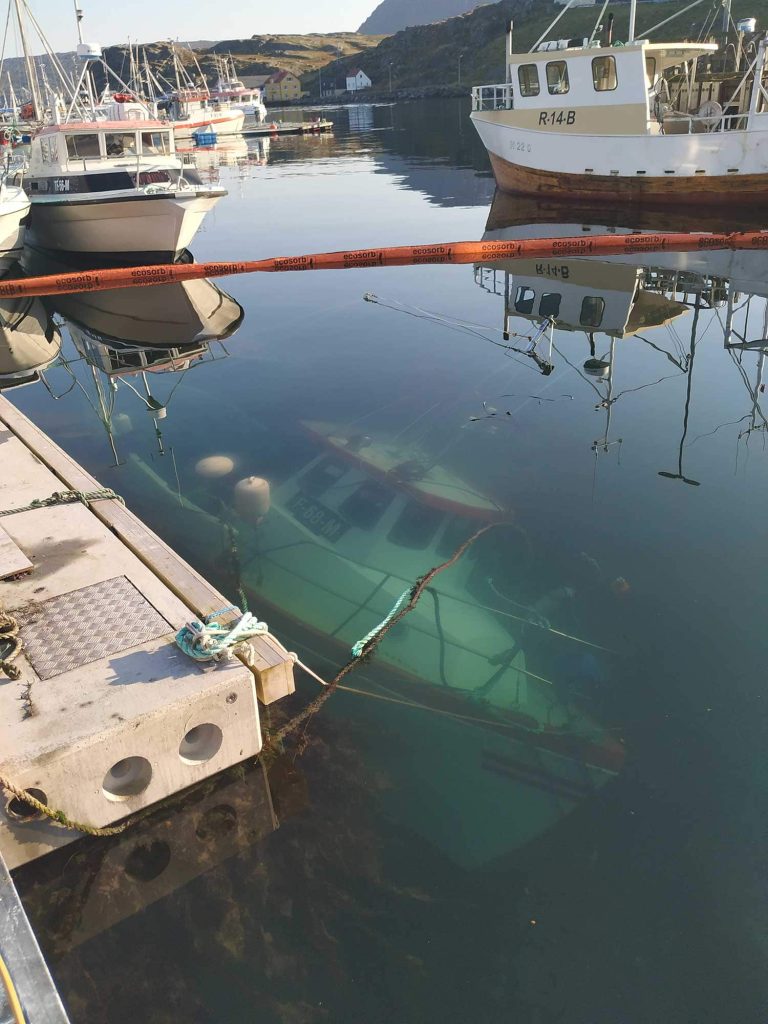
<point x="428" y="55"/>
<point x="393" y="15"/>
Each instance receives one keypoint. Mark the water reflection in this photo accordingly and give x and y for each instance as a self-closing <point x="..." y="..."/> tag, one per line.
<point x="29" y="340"/>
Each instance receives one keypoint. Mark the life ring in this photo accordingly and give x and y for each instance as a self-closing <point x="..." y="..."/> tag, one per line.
<point x="123" y="97"/>
<point x="27" y="111"/>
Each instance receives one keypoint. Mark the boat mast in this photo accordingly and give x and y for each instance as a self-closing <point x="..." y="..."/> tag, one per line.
<point x="31" y="77"/>
<point x="79" y="20"/>
<point x="632" y="16"/>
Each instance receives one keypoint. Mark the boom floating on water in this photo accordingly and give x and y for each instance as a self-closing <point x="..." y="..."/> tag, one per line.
<point x="392" y="256"/>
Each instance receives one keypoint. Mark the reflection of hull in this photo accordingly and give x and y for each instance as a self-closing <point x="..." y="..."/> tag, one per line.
<point x="154" y="226"/>
<point x="169" y="315"/>
<point x="517" y="742"/>
<point x="29" y="341"/>
<point x="508" y="210"/>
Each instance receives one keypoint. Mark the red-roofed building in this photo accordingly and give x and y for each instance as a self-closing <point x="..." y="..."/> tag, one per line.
<point x="281" y="86"/>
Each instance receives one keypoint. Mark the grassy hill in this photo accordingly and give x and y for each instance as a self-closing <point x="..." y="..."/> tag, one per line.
<point x="393" y="15"/>
<point x="429" y="54"/>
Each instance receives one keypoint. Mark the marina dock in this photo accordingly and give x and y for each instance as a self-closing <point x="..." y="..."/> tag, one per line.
<point x="107" y="715"/>
<point x="287" y="128"/>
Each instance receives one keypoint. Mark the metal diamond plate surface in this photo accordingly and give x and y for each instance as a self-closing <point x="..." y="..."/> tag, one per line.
<point x="86" y="625"/>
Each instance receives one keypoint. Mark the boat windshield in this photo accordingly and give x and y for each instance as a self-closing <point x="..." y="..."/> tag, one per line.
<point x="120" y="143"/>
<point x="83" y="145"/>
<point x="156" y="143"/>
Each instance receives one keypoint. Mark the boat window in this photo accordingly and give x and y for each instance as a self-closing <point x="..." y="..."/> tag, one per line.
<point x="550" y="304"/>
<point x="48" y="150"/>
<point x="524" y="300"/>
<point x="604" y="74"/>
<point x="650" y="70"/>
<point x="155" y="143"/>
<point x="592" y="309"/>
<point x="80" y="146"/>
<point x="120" y="143"/>
<point x="323" y="475"/>
<point x="557" y="77"/>
<point x="365" y="506"/>
<point x="528" y="76"/>
<point x="416" y="525"/>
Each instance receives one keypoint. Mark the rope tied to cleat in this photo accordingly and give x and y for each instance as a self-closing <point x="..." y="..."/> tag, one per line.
<point x="65" y="498"/>
<point x="209" y="640"/>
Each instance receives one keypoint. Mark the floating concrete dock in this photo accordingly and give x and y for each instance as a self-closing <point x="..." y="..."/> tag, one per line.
<point x="108" y="716"/>
<point x="288" y="128"/>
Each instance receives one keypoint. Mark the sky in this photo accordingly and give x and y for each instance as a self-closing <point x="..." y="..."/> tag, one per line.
<point x="149" y="20"/>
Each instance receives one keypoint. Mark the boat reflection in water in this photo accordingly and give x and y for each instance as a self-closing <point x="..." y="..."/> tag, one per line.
<point x="29" y="340"/>
<point x="121" y="340"/>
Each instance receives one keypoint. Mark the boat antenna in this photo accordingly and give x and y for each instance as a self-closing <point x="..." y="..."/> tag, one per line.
<point x="79" y="20"/>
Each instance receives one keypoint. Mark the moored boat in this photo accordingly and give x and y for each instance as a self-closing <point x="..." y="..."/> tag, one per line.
<point x="676" y="122"/>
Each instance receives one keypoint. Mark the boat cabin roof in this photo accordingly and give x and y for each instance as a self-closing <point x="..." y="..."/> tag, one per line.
<point x="550" y="51"/>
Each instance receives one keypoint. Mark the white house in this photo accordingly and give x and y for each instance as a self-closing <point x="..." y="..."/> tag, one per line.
<point x="357" y="79"/>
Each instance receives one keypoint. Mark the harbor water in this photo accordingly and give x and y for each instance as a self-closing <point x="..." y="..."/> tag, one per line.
<point x="545" y="799"/>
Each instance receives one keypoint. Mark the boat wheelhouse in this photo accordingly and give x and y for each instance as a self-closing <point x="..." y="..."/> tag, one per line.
<point x="663" y="122"/>
<point x="114" y="187"/>
<point x="231" y="90"/>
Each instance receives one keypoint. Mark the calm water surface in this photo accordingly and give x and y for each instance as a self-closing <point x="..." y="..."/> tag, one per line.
<point x="547" y="800"/>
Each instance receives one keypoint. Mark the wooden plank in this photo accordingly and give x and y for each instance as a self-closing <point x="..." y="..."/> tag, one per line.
<point x="12" y="558"/>
<point x="273" y="668"/>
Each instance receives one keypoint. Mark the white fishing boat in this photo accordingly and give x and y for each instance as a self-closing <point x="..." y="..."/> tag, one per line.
<point x="229" y="89"/>
<point x="192" y="111"/>
<point x="14" y="217"/>
<point x="675" y="122"/>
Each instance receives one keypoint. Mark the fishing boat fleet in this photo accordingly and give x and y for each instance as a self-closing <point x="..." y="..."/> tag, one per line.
<point x="103" y="177"/>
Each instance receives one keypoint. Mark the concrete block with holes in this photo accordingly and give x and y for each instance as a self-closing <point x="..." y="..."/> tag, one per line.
<point x="108" y="716"/>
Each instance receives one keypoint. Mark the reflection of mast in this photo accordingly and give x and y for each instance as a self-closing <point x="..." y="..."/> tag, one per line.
<point x="106" y="410"/>
<point x="679" y="475"/>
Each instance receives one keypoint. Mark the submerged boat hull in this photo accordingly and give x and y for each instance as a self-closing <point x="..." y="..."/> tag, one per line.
<point x="152" y="226"/>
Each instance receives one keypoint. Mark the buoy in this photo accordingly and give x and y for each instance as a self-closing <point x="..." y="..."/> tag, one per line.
<point x="214" y="466"/>
<point x="597" y="367"/>
<point x="252" y="500"/>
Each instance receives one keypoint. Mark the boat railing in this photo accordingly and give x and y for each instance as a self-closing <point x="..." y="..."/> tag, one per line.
<point x="493" y="97"/>
<point x="693" y="124"/>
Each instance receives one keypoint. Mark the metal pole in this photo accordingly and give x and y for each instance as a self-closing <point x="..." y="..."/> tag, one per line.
<point x="632" y="16"/>
<point x="79" y="18"/>
<point x="460" y="56"/>
<point x="31" y="76"/>
<point x="544" y="36"/>
<point x="390" y="76"/>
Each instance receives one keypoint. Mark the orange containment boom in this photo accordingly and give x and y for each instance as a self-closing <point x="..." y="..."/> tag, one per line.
<point x="397" y="256"/>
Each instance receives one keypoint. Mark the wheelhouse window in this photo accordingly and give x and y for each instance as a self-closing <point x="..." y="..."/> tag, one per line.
<point x="365" y="506"/>
<point x="48" y="150"/>
<point x="550" y="304"/>
<point x="604" y="74"/>
<point x="120" y="143"/>
<point x="650" y="70"/>
<point x="155" y="143"/>
<point x="557" y="78"/>
<point x="524" y="300"/>
<point x="416" y="525"/>
<point x="80" y="147"/>
<point x="528" y="76"/>
<point x="592" y="309"/>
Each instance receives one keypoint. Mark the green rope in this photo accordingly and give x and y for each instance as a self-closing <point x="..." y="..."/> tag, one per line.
<point x="66" y="498"/>
<point x="360" y="646"/>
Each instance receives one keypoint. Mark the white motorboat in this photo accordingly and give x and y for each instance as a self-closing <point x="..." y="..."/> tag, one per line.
<point x="192" y="111"/>
<point x="114" y="188"/>
<point x="14" y="216"/>
<point x="29" y="341"/>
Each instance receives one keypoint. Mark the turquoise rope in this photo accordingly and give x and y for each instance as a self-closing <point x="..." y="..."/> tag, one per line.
<point x="209" y="641"/>
<point x="360" y="646"/>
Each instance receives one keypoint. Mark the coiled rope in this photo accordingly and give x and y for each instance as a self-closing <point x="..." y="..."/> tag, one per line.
<point x="210" y="641"/>
<point x="65" y="498"/>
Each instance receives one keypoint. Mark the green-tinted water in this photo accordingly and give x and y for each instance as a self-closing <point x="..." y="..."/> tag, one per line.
<point x="570" y="824"/>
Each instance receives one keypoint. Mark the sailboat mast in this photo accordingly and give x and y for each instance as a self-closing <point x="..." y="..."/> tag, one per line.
<point x="31" y="76"/>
